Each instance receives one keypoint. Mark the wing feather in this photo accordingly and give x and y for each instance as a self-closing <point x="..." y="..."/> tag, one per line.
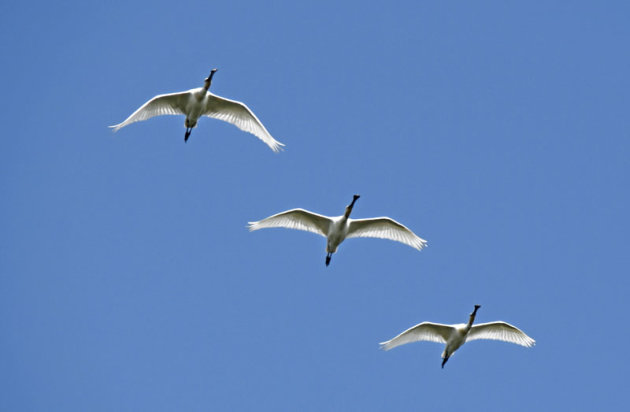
<point x="425" y="331"/>
<point x="299" y="219"/>
<point x="385" y="228"/>
<point x="500" y="331"/>
<point x="241" y="116"/>
<point x="163" y="104"/>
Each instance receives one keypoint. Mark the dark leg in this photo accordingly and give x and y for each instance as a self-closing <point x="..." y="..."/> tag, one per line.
<point x="188" y="131"/>
<point x="328" y="257"/>
<point x="444" y="361"/>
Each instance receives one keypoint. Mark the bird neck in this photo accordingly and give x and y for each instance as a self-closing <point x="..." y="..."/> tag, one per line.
<point x="350" y="206"/>
<point x="208" y="81"/>
<point x="470" y="322"/>
<point x="471" y="319"/>
<point x="348" y="211"/>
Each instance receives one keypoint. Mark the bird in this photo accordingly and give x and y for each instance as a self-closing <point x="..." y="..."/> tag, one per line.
<point x="456" y="335"/>
<point x="199" y="102"/>
<point x="337" y="229"/>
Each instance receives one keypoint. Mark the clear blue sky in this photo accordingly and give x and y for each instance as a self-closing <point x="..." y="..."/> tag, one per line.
<point x="498" y="131"/>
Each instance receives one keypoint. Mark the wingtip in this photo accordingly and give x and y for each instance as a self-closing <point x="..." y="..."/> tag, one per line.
<point x="277" y="147"/>
<point x="384" y="346"/>
<point x="421" y="244"/>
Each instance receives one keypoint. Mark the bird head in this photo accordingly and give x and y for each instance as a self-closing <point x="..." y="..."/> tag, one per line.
<point x="472" y="316"/>
<point x="474" y="312"/>
<point x="208" y="79"/>
<point x="351" y="205"/>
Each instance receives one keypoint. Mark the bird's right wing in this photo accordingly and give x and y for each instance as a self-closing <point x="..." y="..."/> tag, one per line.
<point x="385" y="228"/>
<point x="299" y="219"/>
<point x="427" y="331"/>
<point x="500" y="331"/>
<point x="238" y="114"/>
<point x="172" y="103"/>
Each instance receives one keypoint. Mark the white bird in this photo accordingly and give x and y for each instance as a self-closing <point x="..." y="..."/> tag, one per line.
<point x="338" y="228"/>
<point x="456" y="335"/>
<point x="199" y="102"/>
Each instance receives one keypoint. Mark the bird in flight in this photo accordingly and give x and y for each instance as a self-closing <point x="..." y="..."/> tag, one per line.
<point x="337" y="229"/>
<point x="199" y="102"/>
<point x="455" y="336"/>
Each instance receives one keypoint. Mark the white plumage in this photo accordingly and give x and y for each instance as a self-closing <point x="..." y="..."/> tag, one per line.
<point x="455" y="336"/>
<point x="199" y="102"/>
<point x="337" y="229"/>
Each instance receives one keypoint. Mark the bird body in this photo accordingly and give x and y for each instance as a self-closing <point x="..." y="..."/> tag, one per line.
<point x="337" y="229"/>
<point x="455" y="339"/>
<point x="198" y="102"/>
<point x="454" y="336"/>
<point x="197" y="99"/>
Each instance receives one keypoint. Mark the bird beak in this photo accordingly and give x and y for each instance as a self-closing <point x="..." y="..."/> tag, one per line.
<point x="354" y="199"/>
<point x="209" y="78"/>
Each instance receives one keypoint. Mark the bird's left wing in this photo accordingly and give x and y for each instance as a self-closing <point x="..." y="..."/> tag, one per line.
<point x="385" y="228"/>
<point x="172" y="103"/>
<point x="428" y="331"/>
<point x="500" y="331"/>
<point x="299" y="219"/>
<point x="241" y="116"/>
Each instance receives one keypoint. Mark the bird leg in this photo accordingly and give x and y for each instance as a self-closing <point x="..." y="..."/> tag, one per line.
<point x="187" y="135"/>
<point x="328" y="257"/>
<point x="444" y="361"/>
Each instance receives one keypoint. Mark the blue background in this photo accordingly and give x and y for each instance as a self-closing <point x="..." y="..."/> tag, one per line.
<point x="496" y="130"/>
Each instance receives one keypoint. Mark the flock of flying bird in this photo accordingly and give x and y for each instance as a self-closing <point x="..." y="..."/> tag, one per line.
<point x="199" y="102"/>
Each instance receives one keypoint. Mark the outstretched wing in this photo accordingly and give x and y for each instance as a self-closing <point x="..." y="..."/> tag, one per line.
<point x="241" y="116"/>
<point x="172" y="103"/>
<point x="385" y="228"/>
<point x="299" y="219"/>
<point x="425" y="331"/>
<point x="500" y="331"/>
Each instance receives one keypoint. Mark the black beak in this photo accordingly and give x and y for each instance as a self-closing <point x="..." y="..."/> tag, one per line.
<point x="354" y="199"/>
<point x="211" y="74"/>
